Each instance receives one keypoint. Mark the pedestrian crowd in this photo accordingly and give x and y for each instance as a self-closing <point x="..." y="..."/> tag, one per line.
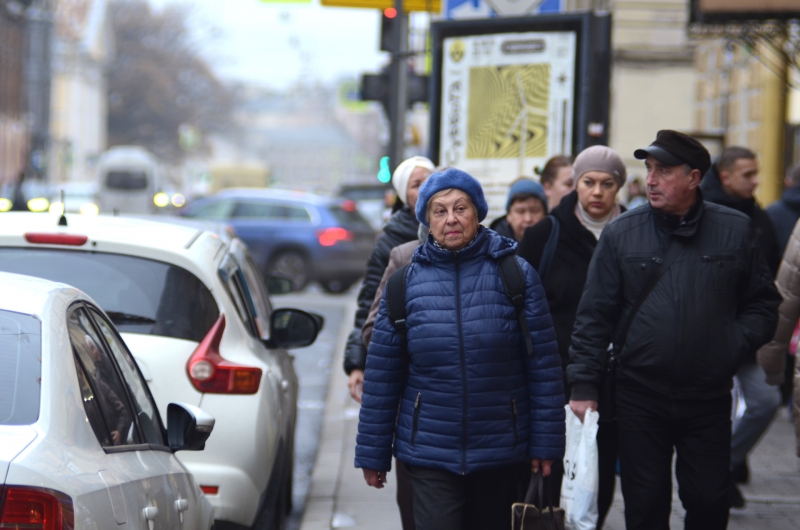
<point x="472" y="345"/>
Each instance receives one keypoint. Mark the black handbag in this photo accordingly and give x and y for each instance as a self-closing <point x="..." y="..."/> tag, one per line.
<point x="529" y="516"/>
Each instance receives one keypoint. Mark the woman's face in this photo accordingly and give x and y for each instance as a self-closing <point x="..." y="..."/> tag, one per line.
<point x="418" y="176"/>
<point x="560" y="187"/>
<point x="453" y="220"/>
<point x="524" y="214"/>
<point x="596" y="192"/>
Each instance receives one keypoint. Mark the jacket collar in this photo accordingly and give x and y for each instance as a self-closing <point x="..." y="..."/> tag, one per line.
<point x="486" y="242"/>
<point x="714" y="192"/>
<point x="402" y="223"/>
<point x="677" y="226"/>
<point x="791" y="198"/>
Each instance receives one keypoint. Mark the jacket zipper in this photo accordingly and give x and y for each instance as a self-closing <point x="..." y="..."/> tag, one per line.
<point x="514" y="410"/>
<point x="463" y="373"/>
<point x="416" y="417"/>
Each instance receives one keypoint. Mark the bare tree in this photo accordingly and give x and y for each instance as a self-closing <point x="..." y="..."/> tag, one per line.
<point x="158" y="81"/>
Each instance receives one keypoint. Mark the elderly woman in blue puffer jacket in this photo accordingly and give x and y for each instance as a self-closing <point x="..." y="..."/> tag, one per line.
<point x="471" y="408"/>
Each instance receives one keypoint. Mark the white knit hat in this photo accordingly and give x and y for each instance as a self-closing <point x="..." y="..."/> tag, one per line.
<point x="404" y="171"/>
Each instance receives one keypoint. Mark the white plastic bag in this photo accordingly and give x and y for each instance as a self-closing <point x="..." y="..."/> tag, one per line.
<point x="579" y="487"/>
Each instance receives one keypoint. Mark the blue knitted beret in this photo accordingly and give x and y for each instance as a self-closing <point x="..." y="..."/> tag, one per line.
<point x="526" y="186"/>
<point x="451" y="179"/>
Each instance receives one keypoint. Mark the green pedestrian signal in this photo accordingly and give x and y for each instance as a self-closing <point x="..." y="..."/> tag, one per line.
<point x="384" y="175"/>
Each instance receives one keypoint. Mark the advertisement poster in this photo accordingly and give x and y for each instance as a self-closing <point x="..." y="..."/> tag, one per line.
<point x="507" y="105"/>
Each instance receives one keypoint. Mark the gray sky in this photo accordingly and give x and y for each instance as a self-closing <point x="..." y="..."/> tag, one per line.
<point x="277" y="45"/>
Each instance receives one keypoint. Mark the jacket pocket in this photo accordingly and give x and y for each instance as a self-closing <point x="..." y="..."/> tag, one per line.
<point x="417" y="404"/>
<point x="718" y="271"/>
<point x="514" y="412"/>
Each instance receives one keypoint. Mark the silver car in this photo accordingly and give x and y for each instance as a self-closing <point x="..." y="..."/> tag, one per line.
<point x="81" y="440"/>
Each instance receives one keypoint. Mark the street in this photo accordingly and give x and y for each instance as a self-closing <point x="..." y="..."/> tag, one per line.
<point x="330" y="493"/>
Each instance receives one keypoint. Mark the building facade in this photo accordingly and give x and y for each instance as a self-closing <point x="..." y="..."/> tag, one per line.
<point x="79" y="109"/>
<point x="14" y="137"/>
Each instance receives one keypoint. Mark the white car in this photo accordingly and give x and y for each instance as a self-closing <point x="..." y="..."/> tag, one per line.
<point x="195" y="313"/>
<point x="82" y="445"/>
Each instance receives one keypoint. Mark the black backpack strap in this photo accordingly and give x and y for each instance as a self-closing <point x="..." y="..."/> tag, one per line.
<point x="549" y="248"/>
<point x="396" y="306"/>
<point x="514" y="284"/>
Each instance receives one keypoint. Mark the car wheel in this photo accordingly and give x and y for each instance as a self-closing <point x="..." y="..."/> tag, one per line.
<point x="292" y="265"/>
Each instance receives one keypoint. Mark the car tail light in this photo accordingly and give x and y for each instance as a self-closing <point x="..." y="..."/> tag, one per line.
<point x="56" y="239"/>
<point x="349" y="206"/>
<point x="209" y="490"/>
<point x="210" y="373"/>
<point x="330" y="236"/>
<point x="36" y="509"/>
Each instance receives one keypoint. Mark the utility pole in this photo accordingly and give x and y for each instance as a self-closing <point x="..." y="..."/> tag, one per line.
<point x="398" y="87"/>
<point x="38" y="79"/>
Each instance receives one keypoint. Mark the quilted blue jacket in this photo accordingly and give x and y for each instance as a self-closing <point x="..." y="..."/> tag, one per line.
<point x="474" y="399"/>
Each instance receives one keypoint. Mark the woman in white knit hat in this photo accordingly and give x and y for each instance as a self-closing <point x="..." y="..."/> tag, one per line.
<point x="401" y="228"/>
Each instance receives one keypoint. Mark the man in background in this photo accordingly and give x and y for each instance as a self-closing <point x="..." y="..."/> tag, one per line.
<point x="731" y="182"/>
<point x="785" y="212"/>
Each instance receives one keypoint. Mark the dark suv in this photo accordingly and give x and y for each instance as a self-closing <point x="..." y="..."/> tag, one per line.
<point x="300" y="236"/>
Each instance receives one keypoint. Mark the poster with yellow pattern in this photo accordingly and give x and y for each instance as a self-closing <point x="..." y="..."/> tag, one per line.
<point x="507" y="105"/>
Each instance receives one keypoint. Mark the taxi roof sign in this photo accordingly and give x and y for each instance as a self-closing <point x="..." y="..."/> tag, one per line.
<point x="433" y="6"/>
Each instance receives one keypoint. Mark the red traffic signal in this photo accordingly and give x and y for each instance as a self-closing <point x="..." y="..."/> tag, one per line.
<point x="390" y="12"/>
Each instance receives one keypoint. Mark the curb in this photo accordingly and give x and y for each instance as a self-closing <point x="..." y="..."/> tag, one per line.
<point x="321" y="499"/>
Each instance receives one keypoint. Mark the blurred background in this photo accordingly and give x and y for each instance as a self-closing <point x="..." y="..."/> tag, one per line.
<point x="146" y="105"/>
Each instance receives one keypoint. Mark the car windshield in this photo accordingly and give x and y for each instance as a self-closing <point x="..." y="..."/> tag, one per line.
<point x="20" y="368"/>
<point x="126" y="180"/>
<point x="139" y="295"/>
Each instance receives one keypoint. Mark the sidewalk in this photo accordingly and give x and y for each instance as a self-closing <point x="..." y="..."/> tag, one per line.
<point x="339" y="498"/>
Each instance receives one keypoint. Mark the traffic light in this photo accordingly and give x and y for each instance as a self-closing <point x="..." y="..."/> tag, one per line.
<point x="384" y="174"/>
<point x="388" y="30"/>
<point x="375" y="87"/>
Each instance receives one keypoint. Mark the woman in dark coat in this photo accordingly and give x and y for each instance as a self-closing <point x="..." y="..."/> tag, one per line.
<point x="466" y="408"/>
<point x="401" y="228"/>
<point x="581" y="217"/>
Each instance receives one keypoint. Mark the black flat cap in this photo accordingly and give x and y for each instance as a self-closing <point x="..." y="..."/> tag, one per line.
<point x="673" y="148"/>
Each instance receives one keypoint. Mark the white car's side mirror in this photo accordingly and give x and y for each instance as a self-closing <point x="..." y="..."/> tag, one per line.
<point x="188" y="427"/>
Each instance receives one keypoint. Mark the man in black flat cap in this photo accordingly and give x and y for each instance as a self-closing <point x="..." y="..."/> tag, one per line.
<point x="684" y="295"/>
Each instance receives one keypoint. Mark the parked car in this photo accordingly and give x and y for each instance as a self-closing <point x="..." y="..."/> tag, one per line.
<point x="82" y="444"/>
<point x="300" y="236"/>
<point x="374" y="200"/>
<point x="197" y="317"/>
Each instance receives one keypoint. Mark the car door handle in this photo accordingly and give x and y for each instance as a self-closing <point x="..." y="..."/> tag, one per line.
<point x="150" y="513"/>
<point x="181" y="505"/>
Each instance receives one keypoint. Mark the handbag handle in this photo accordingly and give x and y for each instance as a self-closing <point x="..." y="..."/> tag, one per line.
<point x="540" y="487"/>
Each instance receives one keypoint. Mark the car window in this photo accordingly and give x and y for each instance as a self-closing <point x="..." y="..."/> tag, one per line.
<point x="270" y="211"/>
<point x="103" y="384"/>
<point x="296" y="213"/>
<point x="348" y="216"/>
<point x="257" y="210"/>
<point x="139" y="295"/>
<point x="255" y="285"/>
<point x="214" y="210"/>
<point x="235" y="284"/>
<point x="20" y="368"/>
<point x="126" y="180"/>
<point x="146" y="411"/>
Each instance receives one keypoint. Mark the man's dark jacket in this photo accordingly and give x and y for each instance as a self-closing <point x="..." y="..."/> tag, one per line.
<point x="784" y="214"/>
<point x="764" y="230"/>
<point x="401" y="228"/>
<point x="567" y="273"/>
<point x="714" y="305"/>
